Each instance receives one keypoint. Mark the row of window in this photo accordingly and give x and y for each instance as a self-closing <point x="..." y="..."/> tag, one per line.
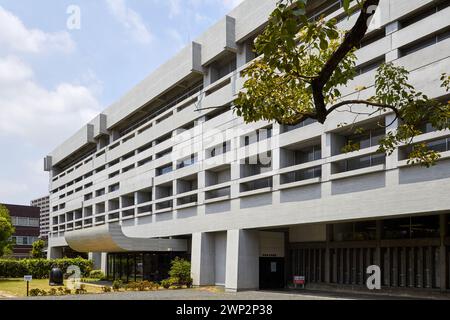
<point x="24" y="240"/>
<point x="25" y="221"/>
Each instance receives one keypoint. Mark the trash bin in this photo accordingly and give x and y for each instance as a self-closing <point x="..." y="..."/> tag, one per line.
<point x="56" y="277"/>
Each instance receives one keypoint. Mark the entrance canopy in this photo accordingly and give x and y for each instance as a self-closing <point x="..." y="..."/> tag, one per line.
<point x="110" y="238"/>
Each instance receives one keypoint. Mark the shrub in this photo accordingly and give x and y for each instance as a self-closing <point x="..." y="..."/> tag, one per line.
<point x="81" y="290"/>
<point x="117" y="285"/>
<point x="106" y="289"/>
<point x="34" y="292"/>
<point x="131" y="286"/>
<point x="181" y="271"/>
<point x="40" y="268"/>
<point x="67" y="291"/>
<point x="52" y="292"/>
<point x="171" y="282"/>
<point x="37" y="293"/>
<point x="97" y="274"/>
<point x="150" y="285"/>
<point x="37" y="252"/>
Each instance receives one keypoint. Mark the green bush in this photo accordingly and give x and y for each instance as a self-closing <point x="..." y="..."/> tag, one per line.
<point x="181" y="270"/>
<point x="37" y="293"/>
<point x="171" y="282"/>
<point x="117" y="285"/>
<point x="40" y="268"/>
<point x="97" y="274"/>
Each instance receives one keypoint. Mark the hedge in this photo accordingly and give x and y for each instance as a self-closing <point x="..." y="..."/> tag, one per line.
<point x="40" y="268"/>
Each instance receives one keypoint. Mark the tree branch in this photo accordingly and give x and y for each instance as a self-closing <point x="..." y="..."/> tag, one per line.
<point x="351" y="40"/>
<point x="366" y="102"/>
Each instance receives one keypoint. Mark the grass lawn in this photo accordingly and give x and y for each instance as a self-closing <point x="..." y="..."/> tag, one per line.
<point x="18" y="287"/>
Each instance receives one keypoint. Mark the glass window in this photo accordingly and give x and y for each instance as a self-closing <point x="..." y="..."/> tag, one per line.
<point x="139" y="263"/>
<point x="411" y="228"/>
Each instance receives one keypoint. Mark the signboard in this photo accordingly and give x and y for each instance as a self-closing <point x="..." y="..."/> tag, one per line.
<point x="27" y="278"/>
<point x="299" y="280"/>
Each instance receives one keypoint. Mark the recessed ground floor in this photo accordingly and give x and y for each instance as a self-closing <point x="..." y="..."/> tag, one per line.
<point x="411" y="252"/>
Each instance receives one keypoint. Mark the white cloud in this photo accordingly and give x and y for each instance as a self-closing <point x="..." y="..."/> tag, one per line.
<point x="40" y="116"/>
<point x="15" y="36"/>
<point x="130" y="20"/>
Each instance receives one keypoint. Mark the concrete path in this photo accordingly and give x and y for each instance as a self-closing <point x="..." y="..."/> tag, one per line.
<point x="210" y="294"/>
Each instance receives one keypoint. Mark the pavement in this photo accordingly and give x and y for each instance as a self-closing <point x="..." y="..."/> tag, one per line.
<point x="214" y="294"/>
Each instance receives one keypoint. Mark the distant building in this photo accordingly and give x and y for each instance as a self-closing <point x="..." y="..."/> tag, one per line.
<point x="44" y="205"/>
<point x="26" y="221"/>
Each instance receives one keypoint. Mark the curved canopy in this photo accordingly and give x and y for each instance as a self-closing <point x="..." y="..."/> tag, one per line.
<point x="110" y="238"/>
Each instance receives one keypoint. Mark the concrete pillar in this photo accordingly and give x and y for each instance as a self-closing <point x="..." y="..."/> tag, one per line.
<point x="326" y="140"/>
<point x="443" y="253"/>
<point x="203" y="259"/>
<point x="392" y="173"/>
<point x="99" y="260"/>
<point x="242" y="261"/>
<point x="54" y="253"/>
<point x="244" y="53"/>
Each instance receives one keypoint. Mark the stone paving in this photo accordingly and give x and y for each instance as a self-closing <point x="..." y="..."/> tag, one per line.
<point x="205" y="294"/>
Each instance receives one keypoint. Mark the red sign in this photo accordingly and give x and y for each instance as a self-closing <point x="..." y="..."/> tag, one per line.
<point x="299" y="280"/>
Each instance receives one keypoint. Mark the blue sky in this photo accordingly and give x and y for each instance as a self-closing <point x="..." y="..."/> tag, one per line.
<point x="53" y="79"/>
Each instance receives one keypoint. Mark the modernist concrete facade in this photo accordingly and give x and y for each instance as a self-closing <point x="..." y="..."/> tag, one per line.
<point x="44" y="206"/>
<point x="163" y="170"/>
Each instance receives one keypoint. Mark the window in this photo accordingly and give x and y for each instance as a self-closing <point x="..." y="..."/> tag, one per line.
<point x="360" y="162"/>
<point x="425" y="42"/>
<point x="302" y="124"/>
<point x="424" y="13"/>
<point x="373" y="37"/>
<point x="164" y="170"/>
<point x="114" y="187"/>
<point x="163" y="153"/>
<point x="24" y="240"/>
<point x="219" y="149"/>
<point x="440" y="145"/>
<point x="25" y="221"/>
<point x="301" y="175"/>
<point x="187" y="162"/>
<point x="371" y="65"/>
<point x="369" y="138"/>
<point x="258" y="135"/>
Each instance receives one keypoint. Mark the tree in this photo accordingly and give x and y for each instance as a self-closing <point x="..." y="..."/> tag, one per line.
<point x="303" y="65"/>
<point x="6" y="231"/>
<point x="37" y="252"/>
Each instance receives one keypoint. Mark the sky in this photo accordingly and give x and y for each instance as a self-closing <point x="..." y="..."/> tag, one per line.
<point x="62" y="62"/>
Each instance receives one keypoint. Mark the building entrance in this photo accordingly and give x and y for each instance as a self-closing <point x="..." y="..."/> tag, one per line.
<point x="271" y="273"/>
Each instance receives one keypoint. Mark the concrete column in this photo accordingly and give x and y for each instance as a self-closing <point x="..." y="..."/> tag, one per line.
<point x="392" y="173"/>
<point x="242" y="261"/>
<point x="98" y="258"/>
<point x="443" y="253"/>
<point x="244" y="54"/>
<point x="203" y="259"/>
<point x="326" y="167"/>
<point x="54" y="253"/>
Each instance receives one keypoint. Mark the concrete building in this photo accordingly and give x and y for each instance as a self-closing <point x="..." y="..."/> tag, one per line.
<point x="26" y="222"/>
<point x="44" y="206"/>
<point x="163" y="173"/>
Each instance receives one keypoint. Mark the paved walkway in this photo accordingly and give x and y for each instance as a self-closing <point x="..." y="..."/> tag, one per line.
<point x="212" y="294"/>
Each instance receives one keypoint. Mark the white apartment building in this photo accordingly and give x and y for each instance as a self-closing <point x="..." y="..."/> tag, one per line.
<point x="163" y="172"/>
<point x="44" y="225"/>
